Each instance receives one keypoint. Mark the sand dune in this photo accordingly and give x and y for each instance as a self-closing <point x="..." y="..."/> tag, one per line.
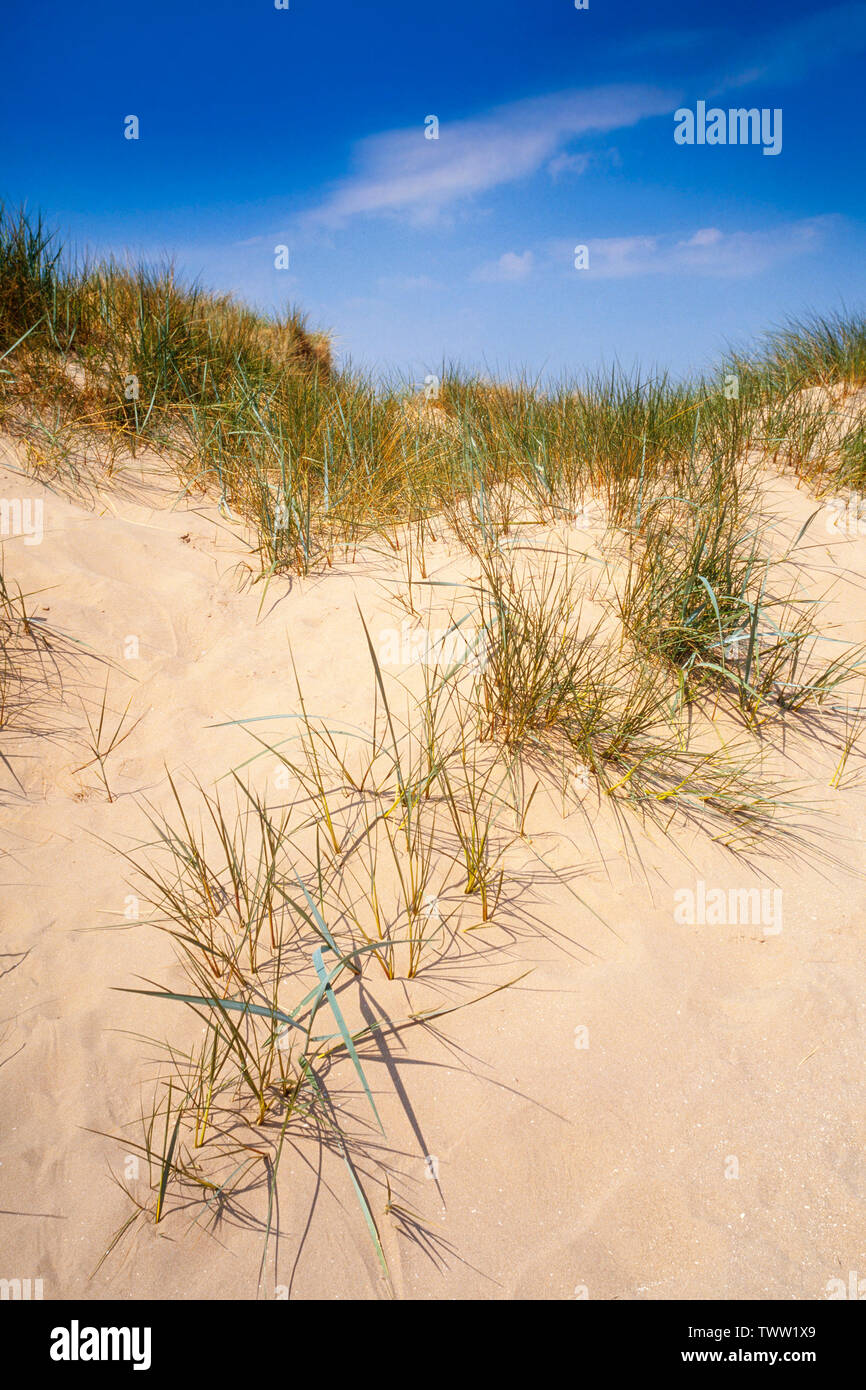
<point x="656" y="1109"/>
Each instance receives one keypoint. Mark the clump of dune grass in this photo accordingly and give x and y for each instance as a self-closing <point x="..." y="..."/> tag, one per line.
<point x="818" y="350"/>
<point x="851" y="471"/>
<point x="547" y="675"/>
<point x="106" y="731"/>
<point x="34" y="294"/>
<point x="700" y="602"/>
<point x="473" y="795"/>
<point x="577" y="703"/>
<point x="252" y="945"/>
<point x="693" y="560"/>
<point x="266" y="908"/>
<point x="221" y="1113"/>
<point x="392" y="820"/>
<point x="20" y="638"/>
<point x="128" y="352"/>
<point x="798" y="383"/>
<point x="34" y="658"/>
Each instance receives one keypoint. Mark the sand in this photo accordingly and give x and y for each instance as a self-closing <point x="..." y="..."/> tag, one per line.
<point x="656" y="1110"/>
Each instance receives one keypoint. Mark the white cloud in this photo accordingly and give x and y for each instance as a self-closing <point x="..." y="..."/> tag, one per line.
<point x="707" y="236"/>
<point x="402" y="172"/>
<point x="510" y="266"/>
<point x="568" y="164"/>
<point x="707" y="251"/>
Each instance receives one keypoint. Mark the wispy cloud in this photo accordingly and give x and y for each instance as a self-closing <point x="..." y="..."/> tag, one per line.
<point x="401" y="172"/>
<point x="568" y="164"/>
<point x="707" y="251"/>
<point x="789" y="52"/>
<point x="509" y="267"/>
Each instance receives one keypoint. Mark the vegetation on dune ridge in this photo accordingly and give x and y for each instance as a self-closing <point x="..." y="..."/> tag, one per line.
<point x="184" y="336"/>
<point x="98" y="360"/>
<point x="821" y="350"/>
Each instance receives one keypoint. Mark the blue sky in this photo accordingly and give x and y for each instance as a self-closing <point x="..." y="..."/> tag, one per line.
<point x="306" y="128"/>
